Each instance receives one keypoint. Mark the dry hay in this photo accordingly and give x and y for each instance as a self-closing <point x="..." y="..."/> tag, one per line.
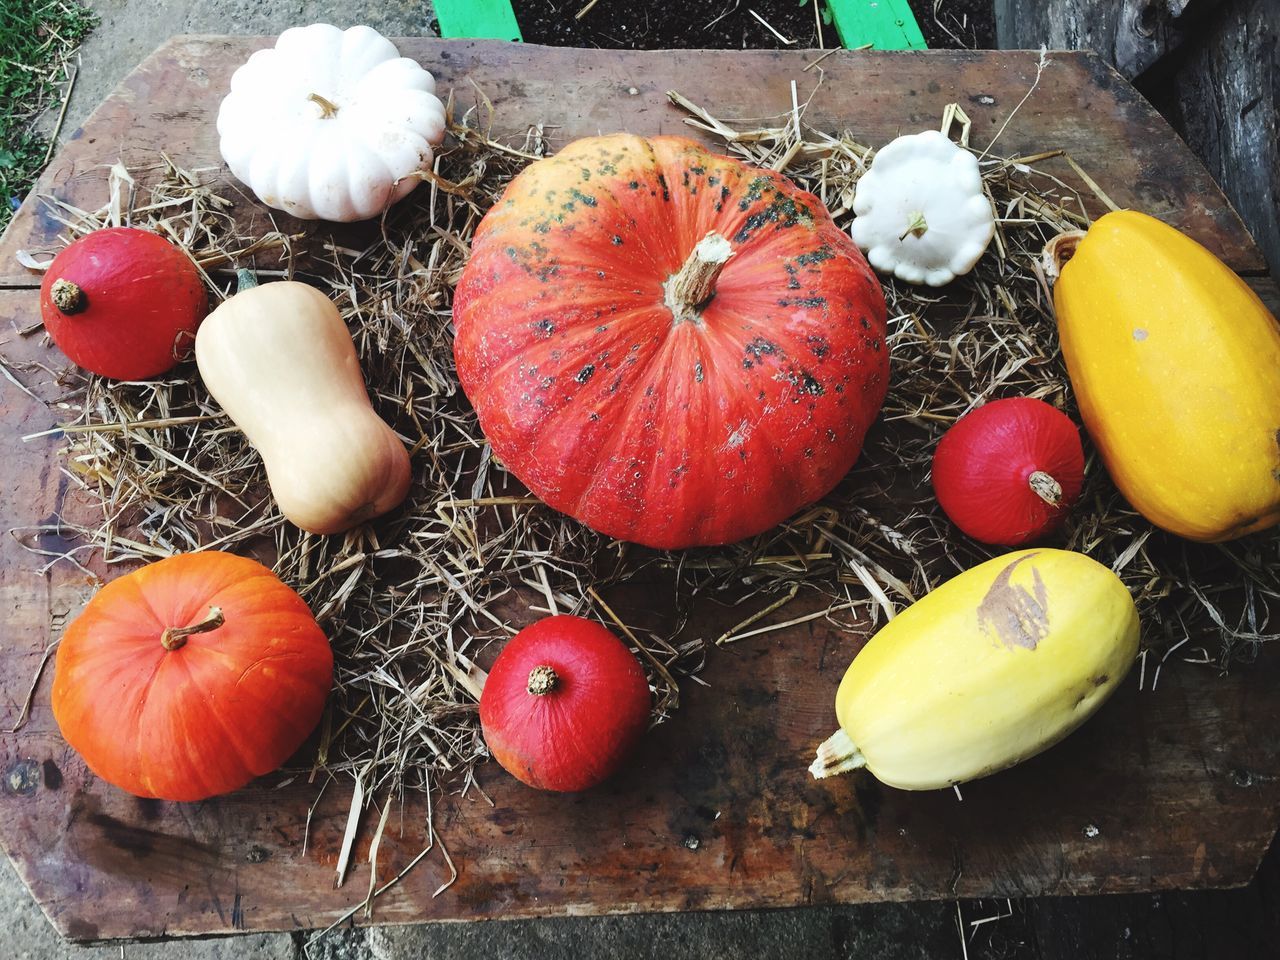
<point x="411" y="599"/>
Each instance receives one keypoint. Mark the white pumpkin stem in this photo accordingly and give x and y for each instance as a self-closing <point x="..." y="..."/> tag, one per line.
<point x="542" y="680"/>
<point x="1046" y="488"/>
<point x="916" y="226"/>
<point x="689" y="289"/>
<point x="245" y="280"/>
<point x="175" y="638"/>
<point x="836" y="754"/>
<point x="1058" y="251"/>
<point x="328" y="108"/>
<point x="67" y="296"/>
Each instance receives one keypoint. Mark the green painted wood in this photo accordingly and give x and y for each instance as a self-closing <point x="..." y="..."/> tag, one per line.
<point x="880" y="24"/>
<point x="477" y="19"/>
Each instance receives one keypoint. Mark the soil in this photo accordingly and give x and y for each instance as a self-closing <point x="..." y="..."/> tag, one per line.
<point x="729" y="24"/>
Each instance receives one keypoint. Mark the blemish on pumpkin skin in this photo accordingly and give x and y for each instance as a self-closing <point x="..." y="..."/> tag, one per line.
<point x="666" y="192"/>
<point x="1100" y="679"/>
<point x="585" y="373"/>
<point x="812" y="303"/>
<point x="810" y="384"/>
<point x="697" y="372"/>
<point x="1012" y="614"/>
<point x="819" y="255"/>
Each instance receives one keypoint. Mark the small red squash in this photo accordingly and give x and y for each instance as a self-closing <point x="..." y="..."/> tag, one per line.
<point x="123" y="303"/>
<point x="667" y="344"/>
<point x="1008" y="472"/>
<point x="191" y="676"/>
<point x="564" y="704"/>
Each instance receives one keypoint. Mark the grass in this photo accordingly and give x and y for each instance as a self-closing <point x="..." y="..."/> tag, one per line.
<point x="38" y="40"/>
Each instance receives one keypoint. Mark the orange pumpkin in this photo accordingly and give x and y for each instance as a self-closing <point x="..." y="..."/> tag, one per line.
<point x="191" y="676"/>
<point x="669" y="345"/>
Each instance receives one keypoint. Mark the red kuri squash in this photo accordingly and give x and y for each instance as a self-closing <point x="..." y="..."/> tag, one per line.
<point x="564" y="704"/>
<point x="123" y="303"/>
<point x="669" y="345"/>
<point x="191" y="676"/>
<point x="1009" y="471"/>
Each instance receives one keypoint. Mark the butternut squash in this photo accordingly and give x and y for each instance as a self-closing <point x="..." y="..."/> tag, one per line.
<point x="1175" y="364"/>
<point x="280" y="361"/>
<point x="992" y="667"/>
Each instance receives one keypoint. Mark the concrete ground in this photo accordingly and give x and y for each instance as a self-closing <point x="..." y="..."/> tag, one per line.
<point x="1208" y="925"/>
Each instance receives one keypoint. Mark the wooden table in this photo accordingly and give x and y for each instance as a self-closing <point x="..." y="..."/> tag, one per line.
<point x="1172" y="788"/>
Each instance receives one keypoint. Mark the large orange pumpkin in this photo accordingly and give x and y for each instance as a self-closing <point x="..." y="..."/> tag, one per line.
<point x="191" y="676"/>
<point x="672" y="346"/>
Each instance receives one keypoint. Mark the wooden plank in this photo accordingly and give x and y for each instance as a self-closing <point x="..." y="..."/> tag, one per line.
<point x="1124" y="144"/>
<point x="1176" y="786"/>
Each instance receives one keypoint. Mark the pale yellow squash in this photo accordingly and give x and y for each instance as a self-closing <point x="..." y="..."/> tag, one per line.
<point x="990" y="668"/>
<point x="280" y="361"/>
<point x="1175" y="364"/>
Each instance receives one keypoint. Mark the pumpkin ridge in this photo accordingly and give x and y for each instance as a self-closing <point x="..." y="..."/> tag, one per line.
<point x="647" y="163"/>
<point x="229" y="741"/>
<point x="520" y="354"/>
<point x="622" y="431"/>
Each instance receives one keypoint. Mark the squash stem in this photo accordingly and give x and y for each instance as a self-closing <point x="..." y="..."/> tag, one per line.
<point x="245" y="280"/>
<point x="1046" y="488"/>
<point x="328" y="108"/>
<point x="67" y="296"/>
<point x="1058" y="251"/>
<point x="690" y="288"/>
<point x="917" y="226"/>
<point x="175" y="638"/>
<point x="542" y="680"/>
<point x="836" y="754"/>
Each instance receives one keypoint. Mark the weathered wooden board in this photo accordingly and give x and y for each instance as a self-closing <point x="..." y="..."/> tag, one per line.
<point x="1172" y="787"/>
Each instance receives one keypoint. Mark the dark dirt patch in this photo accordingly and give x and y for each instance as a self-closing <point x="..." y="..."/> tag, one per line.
<point x="729" y="25"/>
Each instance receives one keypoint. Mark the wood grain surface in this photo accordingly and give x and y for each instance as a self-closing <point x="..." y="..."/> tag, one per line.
<point x="1172" y="787"/>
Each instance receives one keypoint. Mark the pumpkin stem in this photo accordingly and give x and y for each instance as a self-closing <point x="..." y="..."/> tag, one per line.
<point x="175" y="638"/>
<point x="689" y="289"/>
<point x="1058" y="251"/>
<point x="836" y="754"/>
<point x="67" y="296"/>
<point x="916" y="226"/>
<point x="1046" y="488"/>
<point x="542" y="680"/>
<point x="327" y="107"/>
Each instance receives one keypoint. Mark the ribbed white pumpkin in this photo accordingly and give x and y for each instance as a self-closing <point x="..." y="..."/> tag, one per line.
<point x="329" y="124"/>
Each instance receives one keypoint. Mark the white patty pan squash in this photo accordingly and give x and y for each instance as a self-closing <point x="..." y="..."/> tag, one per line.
<point x="992" y="667"/>
<point x="920" y="210"/>
<point x="330" y="124"/>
